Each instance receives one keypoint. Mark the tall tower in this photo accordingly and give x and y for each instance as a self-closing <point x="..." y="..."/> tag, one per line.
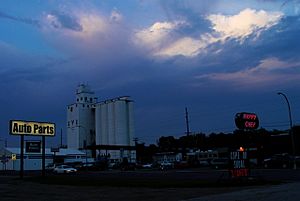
<point x="81" y="119"/>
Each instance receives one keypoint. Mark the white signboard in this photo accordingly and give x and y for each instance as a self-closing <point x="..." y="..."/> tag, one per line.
<point x="31" y="128"/>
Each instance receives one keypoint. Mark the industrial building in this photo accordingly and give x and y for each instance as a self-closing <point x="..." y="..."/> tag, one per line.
<point x="102" y="129"/>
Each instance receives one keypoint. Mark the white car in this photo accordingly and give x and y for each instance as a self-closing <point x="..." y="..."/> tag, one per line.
<point x="64" y="169"/>
<point x="166" y="165"/>
<point x="146" y="166"/>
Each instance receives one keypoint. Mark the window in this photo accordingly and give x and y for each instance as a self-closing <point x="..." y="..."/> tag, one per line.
<point x="91" y="99"/>
<point x="85" y="99"/>
<point x="71" y="109"/>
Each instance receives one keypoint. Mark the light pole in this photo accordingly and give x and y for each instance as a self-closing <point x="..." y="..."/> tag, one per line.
<point x="291" y="128"/>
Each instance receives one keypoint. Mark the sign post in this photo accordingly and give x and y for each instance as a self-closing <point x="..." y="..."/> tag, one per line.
<point x="31" y="128"/>
<point x="22" y="157"/>
<point x="43" y="157"/>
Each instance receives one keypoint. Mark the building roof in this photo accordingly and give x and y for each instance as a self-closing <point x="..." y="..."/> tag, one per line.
<point x="62" y="152"/>
<point x="84" y="88"/>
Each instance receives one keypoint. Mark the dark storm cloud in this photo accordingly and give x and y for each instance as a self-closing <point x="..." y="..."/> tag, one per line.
<point x="59" y="20"/>
<point x="64" y="20"/>
<point x="261" y="63"/>
<point x="20" y="19"/>
<point x="281" y="41"/>
<point x="284" y="2"/>
<point x="18" y="65"/>
<point x="177" y="9"/>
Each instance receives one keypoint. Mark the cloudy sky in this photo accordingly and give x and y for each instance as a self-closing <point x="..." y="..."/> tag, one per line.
<point x="216" y="58"/>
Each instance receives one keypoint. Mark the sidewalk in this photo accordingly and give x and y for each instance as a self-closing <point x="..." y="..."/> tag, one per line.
<point x="283" y="192"/>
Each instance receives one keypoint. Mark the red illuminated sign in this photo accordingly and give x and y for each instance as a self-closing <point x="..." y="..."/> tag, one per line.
<point x="246" y="120"/>
<point x="239" y="172"/>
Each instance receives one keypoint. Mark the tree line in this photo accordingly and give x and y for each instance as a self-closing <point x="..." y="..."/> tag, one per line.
<point x="267" y="142"/>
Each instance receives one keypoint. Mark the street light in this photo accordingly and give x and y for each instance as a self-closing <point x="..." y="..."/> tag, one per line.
<point x="291" y="128"/>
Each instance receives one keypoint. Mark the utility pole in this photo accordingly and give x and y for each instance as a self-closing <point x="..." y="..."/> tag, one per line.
<point x="135" y="140"/>
<point x="61" y="138"/>
<point x="187" y="122"/>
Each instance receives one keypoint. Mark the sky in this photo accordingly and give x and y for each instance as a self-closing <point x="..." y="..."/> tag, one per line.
<point x="215" y="58"/>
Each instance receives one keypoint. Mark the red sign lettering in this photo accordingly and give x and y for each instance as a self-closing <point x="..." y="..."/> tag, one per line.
<point x="250" y="124"/>
<point x="249" y="116"/>
<point x="239" y="172"/>
<point x="245" y="120"/>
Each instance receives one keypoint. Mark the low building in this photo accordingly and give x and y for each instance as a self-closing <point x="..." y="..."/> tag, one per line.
<point x="10" y="158"/>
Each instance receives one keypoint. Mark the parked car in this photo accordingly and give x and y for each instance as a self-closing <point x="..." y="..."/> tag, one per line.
<point x="114" y="165"/>
<point x="181" y="165"/>
<point x="203" y="163"/>
<point x="127" y="166"/>
<point x="219" y="163"/>
<point x="166" y="165"/>
<point x="279" y="161"/>
<point x="147" y="166"/>
<point x="95" y="166"/>
<point x="61" y="169"/>
<point x="50" y="167"/>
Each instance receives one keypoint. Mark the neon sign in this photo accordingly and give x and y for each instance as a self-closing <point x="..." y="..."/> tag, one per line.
<point x="245" y="120"/>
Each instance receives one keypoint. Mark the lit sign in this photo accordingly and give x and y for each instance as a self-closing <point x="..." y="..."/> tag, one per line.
<point x="239" y="164"/>
<point x="13" y="157"/>
<point x="31" y="128"/>
<point x="246" y="120"/>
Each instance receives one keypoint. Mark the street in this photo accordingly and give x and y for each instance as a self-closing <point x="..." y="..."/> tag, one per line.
<point x="145" y="185"/>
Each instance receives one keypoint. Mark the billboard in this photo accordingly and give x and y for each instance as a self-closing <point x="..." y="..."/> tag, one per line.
<point x="245" y="120"/>
<point x="31" y="128"/>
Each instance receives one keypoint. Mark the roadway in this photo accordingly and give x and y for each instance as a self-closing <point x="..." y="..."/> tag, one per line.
<point x="130" y="185"/>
